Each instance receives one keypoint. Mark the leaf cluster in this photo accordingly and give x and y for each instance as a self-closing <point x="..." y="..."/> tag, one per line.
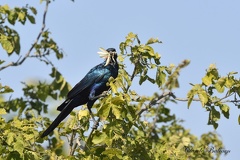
<point x="132" y="126"/>
<point x="213" y="85"/>
<point x="9" y="38"/>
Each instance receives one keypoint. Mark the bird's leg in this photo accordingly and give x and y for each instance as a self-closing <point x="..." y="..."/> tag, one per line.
<point x="92" y="99"/>
<point x="89" y="105"/>
<point x="95" y="125"/>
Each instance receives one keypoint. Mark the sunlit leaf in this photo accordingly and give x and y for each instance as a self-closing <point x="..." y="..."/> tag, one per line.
<point x="19" y="146"/>
<point x="219" y="85"/>
<point x="229" y="82"/>
<point x="225" y="110"/>
<point x="99" y="138"/>
<point x="186" y="141"/>
<point x="153" y="40"/>
<point x="83" y="113"/>
<point x="2" y="111"/>
<point x="203" y="97"/>
<point x="116" y="110"/>
<point x="207" y="80"/>
<point x="7" y="45"/>
<point x="104" y="111"/>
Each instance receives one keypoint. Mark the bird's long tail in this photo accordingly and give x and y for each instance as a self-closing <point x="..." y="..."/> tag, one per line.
<point x="64" y="113"/>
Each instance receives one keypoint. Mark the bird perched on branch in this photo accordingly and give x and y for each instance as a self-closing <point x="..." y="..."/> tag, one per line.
<point x="89" y="89"/>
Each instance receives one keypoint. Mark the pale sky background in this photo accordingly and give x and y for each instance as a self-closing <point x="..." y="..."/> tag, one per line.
<point x="202" y="31"/>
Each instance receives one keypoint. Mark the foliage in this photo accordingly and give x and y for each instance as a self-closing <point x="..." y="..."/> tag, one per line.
<point x="212" y="85"/>
<point x="132" y="126"/>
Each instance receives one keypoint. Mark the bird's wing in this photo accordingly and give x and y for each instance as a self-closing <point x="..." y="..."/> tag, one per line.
<point x="87" y="81"/>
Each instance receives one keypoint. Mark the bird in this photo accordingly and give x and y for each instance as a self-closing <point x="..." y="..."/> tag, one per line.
<point x="89" y="89"/>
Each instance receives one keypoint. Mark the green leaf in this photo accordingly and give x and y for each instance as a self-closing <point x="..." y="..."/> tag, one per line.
<point x="153" y="40"/>
<point x="104" y="111"/>
<point x="2" y="111"/>
<point x="151" y="80"/>
<point x="219" y="85"/>
<point x="6" y="44"/>
<point x="120" y="58"/>
<point x="22" y="16"/>
<point x="5" y="8"/>
<point x="34" y="11"/>
<point x="112" y="85"/>
<point x="225" y="110"/>
<point x="83" y="113"/>
<point x="116" y="110"/>
<point x="190" y="95"/>
<point x="111" y="152"/>
<point x="130" y="38"/>
<point x="186" y="141"/>
<point x="215" y="125"/>
<point x="16" y="40"/>
<point x="239" y="119"/>
<point x="10" y="138"/>
<point x="5" y="89"/>
<point x="1" y="62"/>
<point x="99" y="137"/>
<point x="160" y="76"/>
<point x="203" y="97"/>
<point x="31" y="19"/>
<point x="207" y="80"/>
<point x="117" y="100"/>
<point x="142" y="79"/>
<point x="215" y="115"/>
<point x="229" y="82"/>
<point x="19" y="146"/>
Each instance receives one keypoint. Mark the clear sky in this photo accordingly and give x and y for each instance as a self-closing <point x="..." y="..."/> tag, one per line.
<point x="202" y="31"/>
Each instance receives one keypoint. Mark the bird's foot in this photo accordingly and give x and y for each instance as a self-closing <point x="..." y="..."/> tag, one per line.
<point x="103" y="94"/>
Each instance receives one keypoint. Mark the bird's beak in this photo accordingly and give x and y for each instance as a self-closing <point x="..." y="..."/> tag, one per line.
<point x="112" y="56"/>
<point x="107" y="55"/>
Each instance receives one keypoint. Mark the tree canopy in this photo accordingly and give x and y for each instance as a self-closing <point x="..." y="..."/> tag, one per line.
<point x="131" y="126"/>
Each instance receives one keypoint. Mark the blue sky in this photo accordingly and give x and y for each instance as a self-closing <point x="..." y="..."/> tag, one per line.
<point x="202" y="31"/>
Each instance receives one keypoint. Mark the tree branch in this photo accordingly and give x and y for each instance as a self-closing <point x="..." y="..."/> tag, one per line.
<point x="71" y="144"/>
<point x="170" y="94"/>
<point x="222" y="100"/>
<point x="27" y="55"/>
<point x="90" y="135"/>
<point x="154" y="101"/>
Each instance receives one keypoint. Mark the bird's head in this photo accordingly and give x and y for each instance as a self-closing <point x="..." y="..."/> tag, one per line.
<point x="110" y="55"/>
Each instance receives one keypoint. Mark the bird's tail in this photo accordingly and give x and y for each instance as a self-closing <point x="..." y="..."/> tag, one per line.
<point x="64" y="113"/>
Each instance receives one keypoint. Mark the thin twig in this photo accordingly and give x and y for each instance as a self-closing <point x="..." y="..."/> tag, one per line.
<point x="90" y="135"/>
<point x="71" y="142"/>
<point x="132" y="77"/>
<point x="154" y="101"/>
<point x="73" y="149"/>
<point x="21" y="60"/>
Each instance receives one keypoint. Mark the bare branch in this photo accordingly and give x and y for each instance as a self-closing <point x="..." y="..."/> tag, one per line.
<point x="186" y="99"/>
<point x="27" y="55"/>
<point x="71" y="144"/>
<point x="220" y="100"/>
<point x="155" y="101"/>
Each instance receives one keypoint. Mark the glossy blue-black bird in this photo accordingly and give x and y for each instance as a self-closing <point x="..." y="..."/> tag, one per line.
<point x="89" y="89"/>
